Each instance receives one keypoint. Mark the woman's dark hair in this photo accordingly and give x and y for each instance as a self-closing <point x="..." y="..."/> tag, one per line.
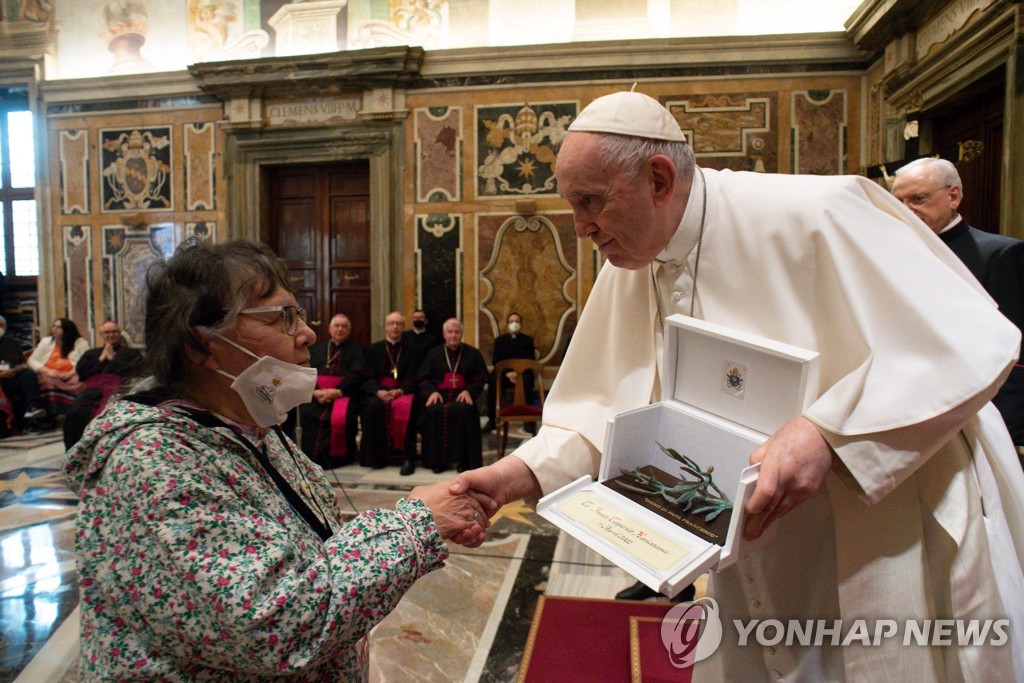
<point x="70" y="336"/>
<point x="201" y="289"/>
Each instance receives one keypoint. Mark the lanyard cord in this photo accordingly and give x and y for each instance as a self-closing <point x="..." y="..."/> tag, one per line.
<point x="297" y="502"/>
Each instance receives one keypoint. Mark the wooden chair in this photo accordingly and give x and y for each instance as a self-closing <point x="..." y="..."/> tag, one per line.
<point x="516" y="410"/>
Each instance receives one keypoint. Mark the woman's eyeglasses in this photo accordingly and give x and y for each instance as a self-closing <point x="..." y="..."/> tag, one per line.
<point x="291" y="315"/>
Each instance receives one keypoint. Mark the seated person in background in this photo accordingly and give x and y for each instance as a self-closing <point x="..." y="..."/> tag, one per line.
<point x="208" y="547"/>
<point x="512" y="344"/>
<point x="452" y="377"/>
<point x="419" y="340"/>
<point x="389" y="391"/>
<point x="330" y="421"/>
<point x="102" y="371"/>
<point x="53" y="361"/>
<point x="18" y="382"/>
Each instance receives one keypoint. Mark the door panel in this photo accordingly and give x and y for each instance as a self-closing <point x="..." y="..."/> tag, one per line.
<point x="976" y="123"/>
<point x="320" y="226"/>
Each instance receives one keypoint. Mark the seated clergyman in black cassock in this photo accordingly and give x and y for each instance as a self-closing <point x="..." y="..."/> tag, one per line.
<point x="451" y="379"/>
<point x="331" y="420"/>
<point x="389" y="392"/>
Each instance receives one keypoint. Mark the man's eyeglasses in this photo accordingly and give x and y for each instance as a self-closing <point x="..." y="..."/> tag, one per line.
<point x="921" y="198"/>
<point x="291" y="315"/>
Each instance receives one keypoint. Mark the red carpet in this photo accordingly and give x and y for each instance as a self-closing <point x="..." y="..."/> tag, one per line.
<point x="585" y="639"/>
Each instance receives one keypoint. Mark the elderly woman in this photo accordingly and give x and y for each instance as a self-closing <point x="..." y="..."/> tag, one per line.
<point x="209" y="547"/>
<point x="53" y="361"/>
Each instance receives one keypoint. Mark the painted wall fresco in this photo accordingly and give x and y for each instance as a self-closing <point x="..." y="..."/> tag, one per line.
<point x="730" y="131"/>
<point x="139" y="36"/>
<point x="528" y="265"/>
<point x="377" y="23"/>
<point x="516" y="145"/>
<point x="437" y="136"/>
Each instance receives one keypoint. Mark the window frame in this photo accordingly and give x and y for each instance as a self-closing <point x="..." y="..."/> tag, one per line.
<point x="15" y="99"/>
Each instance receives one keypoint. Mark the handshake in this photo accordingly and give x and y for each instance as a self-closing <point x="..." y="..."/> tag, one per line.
<point x="463" y="507"/>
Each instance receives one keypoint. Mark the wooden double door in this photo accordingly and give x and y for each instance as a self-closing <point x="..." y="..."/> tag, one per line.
<point x="320" y="225"/>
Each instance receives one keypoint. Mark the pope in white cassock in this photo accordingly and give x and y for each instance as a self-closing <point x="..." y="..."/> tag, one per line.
<point x="897" y="494"/>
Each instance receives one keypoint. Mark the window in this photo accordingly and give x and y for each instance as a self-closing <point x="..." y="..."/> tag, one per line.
<point x="19" y="248"/>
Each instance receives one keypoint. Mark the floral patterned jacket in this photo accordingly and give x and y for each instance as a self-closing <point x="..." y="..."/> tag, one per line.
<point x="194" y="567"/>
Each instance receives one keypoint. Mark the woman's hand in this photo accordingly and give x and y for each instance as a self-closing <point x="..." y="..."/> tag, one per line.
<point x="454" y="515"/>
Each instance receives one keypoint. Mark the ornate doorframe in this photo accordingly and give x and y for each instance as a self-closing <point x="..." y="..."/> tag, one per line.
<point x="342" y="106"/>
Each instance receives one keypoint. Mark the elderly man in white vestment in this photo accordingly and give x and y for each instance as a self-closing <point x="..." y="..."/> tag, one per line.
<point x="897" y="493"/>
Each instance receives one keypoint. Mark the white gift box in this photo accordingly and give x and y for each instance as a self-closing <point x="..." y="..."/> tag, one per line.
<point x="729" y="391"/>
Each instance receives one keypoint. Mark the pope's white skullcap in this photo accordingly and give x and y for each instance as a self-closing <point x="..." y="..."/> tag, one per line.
<point x="628" y="113"/>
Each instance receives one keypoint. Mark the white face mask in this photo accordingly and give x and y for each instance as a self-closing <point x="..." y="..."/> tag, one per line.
<point x="513" y="327"/>
<point x="271" y="387"/>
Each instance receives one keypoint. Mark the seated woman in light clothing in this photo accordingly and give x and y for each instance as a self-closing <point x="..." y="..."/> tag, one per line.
<point x="53" y="361"/>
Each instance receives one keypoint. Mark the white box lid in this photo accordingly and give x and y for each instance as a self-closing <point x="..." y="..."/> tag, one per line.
<point x="743" y="378"/>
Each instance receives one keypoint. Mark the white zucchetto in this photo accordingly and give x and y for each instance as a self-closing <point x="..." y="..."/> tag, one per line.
<point x="628" y="113"/>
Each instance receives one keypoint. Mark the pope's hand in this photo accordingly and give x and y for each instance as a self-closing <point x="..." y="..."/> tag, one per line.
<point x="794" y="462"/>
<point x="507" y="480"/>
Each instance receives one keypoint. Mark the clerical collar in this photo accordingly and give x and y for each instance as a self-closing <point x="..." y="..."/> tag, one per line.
<point x="952" y="224"/>
<point x="688" y="233"/>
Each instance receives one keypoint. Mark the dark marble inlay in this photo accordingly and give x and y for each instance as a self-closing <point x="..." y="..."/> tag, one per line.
<point x="510" y="640"/>
<point x="439" y="240"/>
<point x="32" y="484"/>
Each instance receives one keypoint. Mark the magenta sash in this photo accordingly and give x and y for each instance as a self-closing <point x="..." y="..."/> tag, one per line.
<point x="339" y="448"/>
<point x="399" y="412"/>
<point x="453" y="382"/>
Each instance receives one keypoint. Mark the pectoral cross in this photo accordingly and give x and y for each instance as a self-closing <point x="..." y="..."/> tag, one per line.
<point x="394" y="372"/>
<point x="453" y="380"/>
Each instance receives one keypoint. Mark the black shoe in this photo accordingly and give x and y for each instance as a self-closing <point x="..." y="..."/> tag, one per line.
<point x="407" y="468"/>
<point x="439" y="469"/>
<point x="530" y="428"/>
<point x="463" y="468"/>
<point x="489" y="427"/>
<point x="35" y="412"/>
<point x="379" y="465"/>
<point x="637" y="591"/>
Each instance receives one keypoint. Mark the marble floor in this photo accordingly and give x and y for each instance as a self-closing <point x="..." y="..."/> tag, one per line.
<point x="466" y="622"/>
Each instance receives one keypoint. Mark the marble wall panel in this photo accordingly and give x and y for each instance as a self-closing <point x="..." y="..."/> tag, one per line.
<point x="528" y="266"/>
<point x="516" y="145"/>
<point x="204" y="230"/>
<point x="439" y="262"/>
<point x="74" y="171"/>
<point x="136" y="169"/>
<point x="200" y="167"/>
<point x="819" y="131"/>
<point x="127" y="255"/>
<point x="437" y="135"/>
<point x="734" y="131"/>
<point x="77" y="278"/>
